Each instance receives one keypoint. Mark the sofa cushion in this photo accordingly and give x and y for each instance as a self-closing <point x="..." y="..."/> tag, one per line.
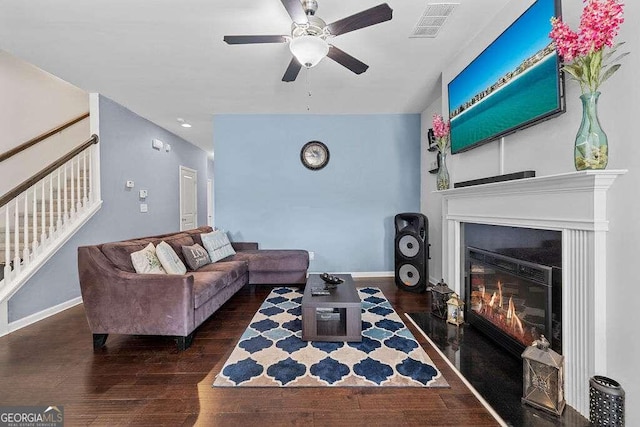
<point x="169" y="259"/>
<point x="207" y="283"/>
<point x="196" y="256"/>
<point x="196" y="232"/>
<point x="146" y="261"/>
<point x="235" y="268"/>
<point x="217" y="244"/>
<point x="176" y="242"/>
<point x="119" y="253"/>
<point x="274" y="259"/>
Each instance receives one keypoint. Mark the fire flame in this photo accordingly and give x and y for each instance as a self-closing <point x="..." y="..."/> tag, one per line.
<point x="492" y="301"/>
<point x="506" y="318"/>
<point x="517" y="325"/>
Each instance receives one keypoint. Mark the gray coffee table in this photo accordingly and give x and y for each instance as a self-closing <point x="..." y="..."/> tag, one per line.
<point x="334" y="317"/>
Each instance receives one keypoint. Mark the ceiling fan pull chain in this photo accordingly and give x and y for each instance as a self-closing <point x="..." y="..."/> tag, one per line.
<point x="306" y="78"/>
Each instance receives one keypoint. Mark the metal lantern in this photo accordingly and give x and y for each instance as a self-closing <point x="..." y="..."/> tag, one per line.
<point x="455" y="310"/>
<point x="543" y="377"/>
<point x="439" y="296"/>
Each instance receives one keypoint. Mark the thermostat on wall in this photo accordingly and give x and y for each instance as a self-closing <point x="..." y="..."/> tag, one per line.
<point x="157" y="144"/>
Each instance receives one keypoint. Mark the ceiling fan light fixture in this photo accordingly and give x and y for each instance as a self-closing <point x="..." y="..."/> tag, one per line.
<point x="309" y="50"/>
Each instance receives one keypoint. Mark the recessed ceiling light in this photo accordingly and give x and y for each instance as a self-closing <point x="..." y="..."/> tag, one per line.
<point x="183" y="123"/>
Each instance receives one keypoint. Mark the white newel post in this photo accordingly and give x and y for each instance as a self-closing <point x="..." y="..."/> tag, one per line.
<point x="574" y="203"/>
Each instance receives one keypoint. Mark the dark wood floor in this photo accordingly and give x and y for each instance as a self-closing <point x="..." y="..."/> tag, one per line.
<point x="145" y="381"/>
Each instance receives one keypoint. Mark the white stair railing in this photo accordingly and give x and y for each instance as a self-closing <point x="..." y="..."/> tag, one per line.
<point x="38" y="213"/>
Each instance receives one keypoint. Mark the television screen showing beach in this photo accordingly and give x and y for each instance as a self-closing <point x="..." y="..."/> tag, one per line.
<point x="512" y="83"/>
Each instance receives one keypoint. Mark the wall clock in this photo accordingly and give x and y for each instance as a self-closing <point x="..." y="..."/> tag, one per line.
<point x="314" y="155"/>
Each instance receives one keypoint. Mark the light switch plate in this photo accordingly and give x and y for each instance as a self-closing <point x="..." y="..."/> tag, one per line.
<point x="144" y="207"/>
<point x="130" y="184"/>
<point x="143" y="194"/>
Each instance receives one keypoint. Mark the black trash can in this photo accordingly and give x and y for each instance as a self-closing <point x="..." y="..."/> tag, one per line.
<point x="606" y="402"/>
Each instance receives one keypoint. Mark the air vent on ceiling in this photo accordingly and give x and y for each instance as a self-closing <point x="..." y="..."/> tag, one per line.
<point x="433" y="18"/>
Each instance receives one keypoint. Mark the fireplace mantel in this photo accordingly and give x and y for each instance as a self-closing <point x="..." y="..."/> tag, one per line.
<point x="574" y="203"/>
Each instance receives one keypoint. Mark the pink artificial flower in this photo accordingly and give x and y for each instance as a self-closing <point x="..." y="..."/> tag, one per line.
<point x="599" y="25"/>
<point x="583" y="51"/>
<point x="440" y="127"/>
<point x="566" y="40"/>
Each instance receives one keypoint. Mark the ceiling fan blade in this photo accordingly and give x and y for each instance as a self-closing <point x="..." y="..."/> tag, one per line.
<point x="366" y="18"/>
<point x="296" y="11"/>
<point x="255" y="39"/>
<point x="347" y="60"/>
<point x="292" y="70"/>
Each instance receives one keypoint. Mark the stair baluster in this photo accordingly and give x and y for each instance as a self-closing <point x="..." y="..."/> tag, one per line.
<point x="25" y="250"/>
<point x="51" y="226"/>
<point x="34" y="215"/>
<point x="7" y="246"/>
<point x="43" y="223"/>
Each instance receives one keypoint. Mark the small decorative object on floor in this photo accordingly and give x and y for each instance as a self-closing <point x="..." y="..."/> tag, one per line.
<point x="440" y="294"/>
<point x="455" y="310"/>
<point x="443" y="142"/>
<point x="543" y="377"/>
<point x="606" y="402"/>
<point x="586" y="61"/>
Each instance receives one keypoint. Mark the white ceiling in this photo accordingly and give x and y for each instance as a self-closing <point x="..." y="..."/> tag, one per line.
<point x="165" y="59"/>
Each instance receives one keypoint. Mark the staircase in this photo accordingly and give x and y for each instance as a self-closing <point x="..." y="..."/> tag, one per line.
<point x="50" y="215"/>
<point x="41" y="214"/>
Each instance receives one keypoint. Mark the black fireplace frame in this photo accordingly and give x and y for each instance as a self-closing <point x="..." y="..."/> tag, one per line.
<point x="547" y="276"/>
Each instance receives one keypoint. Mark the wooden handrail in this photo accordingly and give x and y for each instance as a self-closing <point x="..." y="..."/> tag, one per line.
<point x="47" y="170"/>
<point x="4" y="156"/>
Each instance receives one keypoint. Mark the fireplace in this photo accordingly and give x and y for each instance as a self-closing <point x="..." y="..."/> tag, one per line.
<point x="573" y="204"/>
<point x="513" y="301"/>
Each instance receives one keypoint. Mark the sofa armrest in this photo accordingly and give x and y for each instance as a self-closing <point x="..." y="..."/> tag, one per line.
<point x="121" y="302"/>
<point x="245" y="246"/>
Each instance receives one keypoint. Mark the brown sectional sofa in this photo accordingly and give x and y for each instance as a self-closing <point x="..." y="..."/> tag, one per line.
<point x="118" y="300"/>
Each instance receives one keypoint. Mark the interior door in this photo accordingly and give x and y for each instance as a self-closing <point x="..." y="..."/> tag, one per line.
<point x="188" y="198"/>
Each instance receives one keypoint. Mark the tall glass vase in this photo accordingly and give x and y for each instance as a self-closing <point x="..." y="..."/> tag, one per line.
<point x="442" y="178"/>
<point x="591" y="147"/>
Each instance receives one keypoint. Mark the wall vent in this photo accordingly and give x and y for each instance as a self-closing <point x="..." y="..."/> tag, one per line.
<point x="433" y="18"/>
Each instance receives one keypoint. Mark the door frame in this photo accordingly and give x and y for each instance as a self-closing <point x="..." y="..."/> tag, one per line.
<point x="210" y="206"/>
<point x="195" y="195"/>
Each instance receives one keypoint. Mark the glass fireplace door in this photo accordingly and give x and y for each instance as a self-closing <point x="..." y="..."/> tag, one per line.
<point x="508" y="299"/>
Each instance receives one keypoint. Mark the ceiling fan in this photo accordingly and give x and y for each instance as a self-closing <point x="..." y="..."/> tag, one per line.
<point x="309" y="34"/>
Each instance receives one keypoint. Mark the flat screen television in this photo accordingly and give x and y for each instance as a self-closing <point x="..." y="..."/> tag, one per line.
<point x="514" y="83"/>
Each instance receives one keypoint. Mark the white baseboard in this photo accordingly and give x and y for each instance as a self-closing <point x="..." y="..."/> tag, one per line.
<point x="361" y="273"/>
<point x="41" y="315"/>
<point x="373" y="274"/>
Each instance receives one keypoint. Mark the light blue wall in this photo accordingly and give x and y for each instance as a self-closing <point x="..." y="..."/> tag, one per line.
<point x="344" y="212"/>
<point x="126" y="154"/>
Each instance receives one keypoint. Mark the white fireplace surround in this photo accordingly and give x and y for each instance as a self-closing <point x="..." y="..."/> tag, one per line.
<point x="574" y="203"/>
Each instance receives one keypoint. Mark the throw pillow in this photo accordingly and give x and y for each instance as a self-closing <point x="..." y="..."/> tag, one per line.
<point x="169" y="259"/>
<point x="196" y="256"/>
<point x="146" y="261"/>
<point x="217" y="244"/>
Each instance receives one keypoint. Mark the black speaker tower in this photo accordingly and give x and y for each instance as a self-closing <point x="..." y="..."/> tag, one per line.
<point x="412" y="252"/>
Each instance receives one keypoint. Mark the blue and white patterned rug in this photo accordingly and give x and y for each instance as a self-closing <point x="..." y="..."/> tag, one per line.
<point x="271" y="352"/>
